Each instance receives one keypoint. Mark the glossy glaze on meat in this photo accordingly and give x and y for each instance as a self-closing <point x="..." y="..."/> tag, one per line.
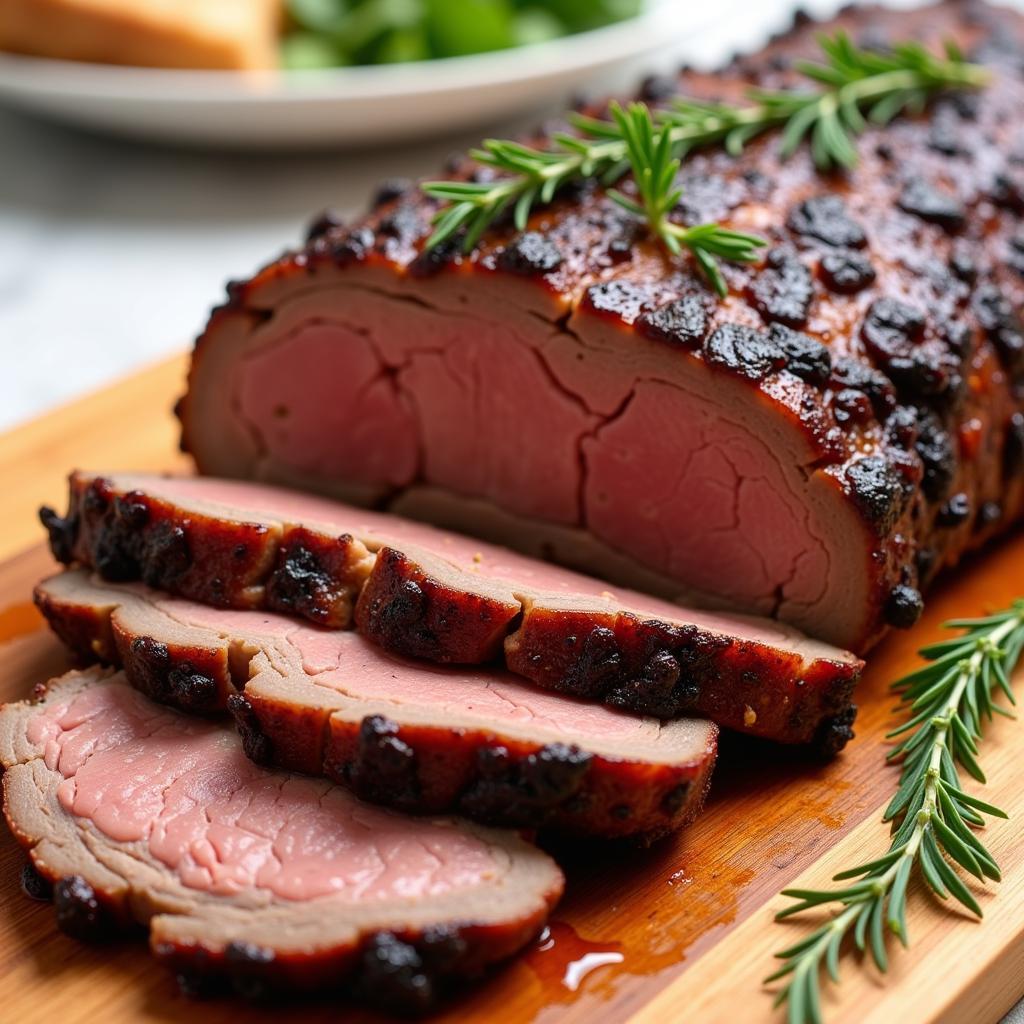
<point x="817" y="446"/>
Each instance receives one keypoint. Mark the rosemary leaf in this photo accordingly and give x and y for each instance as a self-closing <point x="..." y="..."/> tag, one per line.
<point x="934" y="820"/>
<point x="855" y="86"/>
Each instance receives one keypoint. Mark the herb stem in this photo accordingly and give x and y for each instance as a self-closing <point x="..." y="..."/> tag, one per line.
<point x="933" y="818"/>
<point x="857" y="87"/>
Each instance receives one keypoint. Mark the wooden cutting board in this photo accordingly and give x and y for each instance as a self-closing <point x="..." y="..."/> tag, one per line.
<point x="681" y="931"/>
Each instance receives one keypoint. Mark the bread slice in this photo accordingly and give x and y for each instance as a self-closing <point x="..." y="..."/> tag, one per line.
<point x="210" y="34"/>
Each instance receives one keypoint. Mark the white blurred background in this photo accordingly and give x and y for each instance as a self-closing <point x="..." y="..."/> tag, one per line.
<point x="112" y="252"/>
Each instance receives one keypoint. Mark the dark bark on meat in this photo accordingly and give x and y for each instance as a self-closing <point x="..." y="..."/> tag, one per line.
<point x="906" y="271"/>
<point x="421" y="607"/>
<point x="409" y="766"/>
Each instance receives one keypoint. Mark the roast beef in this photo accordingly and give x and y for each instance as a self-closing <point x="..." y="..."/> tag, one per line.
<point x="140" y="814"/>
<point x="416" y="736"/>
<point x="423" y="593"/>
<point x="814" y="447"/>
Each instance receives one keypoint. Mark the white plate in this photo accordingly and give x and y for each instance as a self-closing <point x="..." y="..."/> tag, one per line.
<point x="343" y="106"/>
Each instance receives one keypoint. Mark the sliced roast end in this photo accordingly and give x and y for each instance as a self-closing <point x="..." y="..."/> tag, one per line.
<point x="417" y="606"/>
<point x="247" y="935"/>
<point x="447" y="739"/>
<point x="439" y="596"/>
<point x="664" y="669"/>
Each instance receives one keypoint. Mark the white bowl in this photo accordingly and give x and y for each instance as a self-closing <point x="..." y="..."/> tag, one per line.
<point x="339" y="106"/>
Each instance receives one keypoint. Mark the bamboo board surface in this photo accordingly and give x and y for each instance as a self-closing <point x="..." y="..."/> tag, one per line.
<point x="681" y="931"/>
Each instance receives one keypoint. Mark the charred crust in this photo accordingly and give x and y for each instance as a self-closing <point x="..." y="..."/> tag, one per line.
<point x="598" y="664"/>
<point x="1008" y="190"/>
<point x="756" y="354"/>
<point x="846" y="271"/>
<point x="743" y="350"/>
<point x="34" y="885"/>
<point x="782" y="292"/>
<point x="385" y="768"/>
<point x="945" y="130"/>
<point x="127" y="544"/>
<point x="437" y="257"/>
<point x="389" y="190"/>
<point x="80" y="912"/>
<point x="165" y="555"/>
<point x="245" y="966"/>
<point x="958" y="335"/>
<point x="408" y="611"/>
<point x="825" y="219"/>
<point x="527" y="790"/>
<point x="354" y="247"/>
<point x="653" y="690"/>
<point x="903" y="606"/>
<point x="323" y="224"/>
<point x="935" y="447"/>
<point x="963" y="265"/>
<point x="408" y="977"/>
<point x="530" y="253"/>
<point x="404" y="222"/>
<point x="1001" y="324"/>
<point x="683" y="322"/>
<point x="1015" y="254"/>
<point x="179" y="684"/>
<point x="1013" y="452"/>
<point x="62" y="532"/>
<point x="405" y="608"/>
<point x="834" y="733"/>
<point x="255" y="742"/>
<point x="301" y="585"/>
<point x="848" y="373"/>
<point x="675" y="799"/>
<point x="923" y="200"/>
<point x="891" y="327"/>
<point x="647" y="667"/>
<point x="98" y="494"/>
<point x="878" y="491"/>
<point x="805" y="357"/>
<point x="850" y="405"/>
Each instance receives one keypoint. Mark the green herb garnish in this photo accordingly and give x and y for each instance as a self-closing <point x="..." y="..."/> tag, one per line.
<point x="857" y="86"/>
<point x="654" y="172"/>
<point x="934" y="820"/>
<point x="334" y="33"/>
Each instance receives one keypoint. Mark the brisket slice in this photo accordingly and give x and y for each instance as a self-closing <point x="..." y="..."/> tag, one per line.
<point x="816" y="447"/>
<point x="423" y="593"/>
<point x="140" y="814"/>
<point x="415" y="736"/>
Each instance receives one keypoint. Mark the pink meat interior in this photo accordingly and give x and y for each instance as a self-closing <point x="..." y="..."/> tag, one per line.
<point x="521" y="573"/>
<point x="645" y="464"/>
<point x="185" y="792"/>
<point x="346" y="662"/>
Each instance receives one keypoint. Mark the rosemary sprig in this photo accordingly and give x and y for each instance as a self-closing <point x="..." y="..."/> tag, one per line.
<point x="654" y="171"/>
<point x="856" y="86"/>
<point x="933" y="818"/>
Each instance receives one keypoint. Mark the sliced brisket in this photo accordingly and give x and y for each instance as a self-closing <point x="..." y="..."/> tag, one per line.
<point x="268" y="880"/>
<point x="416" y="736"/>
<point x="569" y="390"/>
<point x="424" y="593"/>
